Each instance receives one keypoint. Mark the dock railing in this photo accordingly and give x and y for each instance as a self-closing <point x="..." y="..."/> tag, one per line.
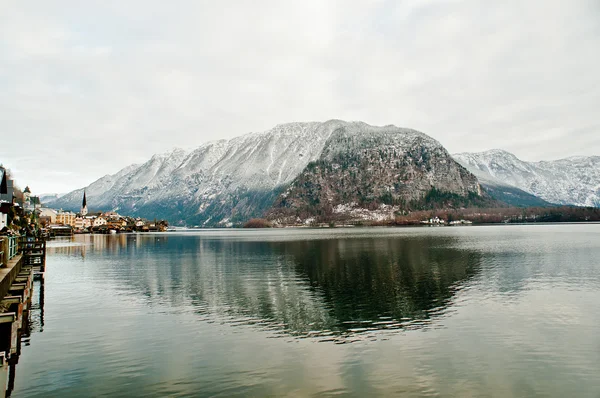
<point x="13" y="247"/>
<point x="9" y="248"/>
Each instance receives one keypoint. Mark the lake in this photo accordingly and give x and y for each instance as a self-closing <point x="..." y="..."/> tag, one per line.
<point x="499" y="311"/>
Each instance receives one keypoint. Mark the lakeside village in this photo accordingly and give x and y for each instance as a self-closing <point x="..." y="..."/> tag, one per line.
<point x="23" y="213"/>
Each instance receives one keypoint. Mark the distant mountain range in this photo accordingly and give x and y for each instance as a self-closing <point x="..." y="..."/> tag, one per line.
<point x="347" y="169"/>
<point x="570" y="181"/>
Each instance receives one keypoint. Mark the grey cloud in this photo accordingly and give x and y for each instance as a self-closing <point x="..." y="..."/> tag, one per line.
<point x="94" y="86"/>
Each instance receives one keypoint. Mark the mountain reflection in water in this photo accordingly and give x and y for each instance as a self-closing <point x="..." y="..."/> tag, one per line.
<point x="323" y="288"/>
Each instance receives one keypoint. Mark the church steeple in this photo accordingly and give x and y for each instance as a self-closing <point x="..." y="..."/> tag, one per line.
<point x="84" y="209"/>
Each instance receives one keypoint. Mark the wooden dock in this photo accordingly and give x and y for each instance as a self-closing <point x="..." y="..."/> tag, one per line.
<point x="34" y="254"/>
<point x="21" y="260"/>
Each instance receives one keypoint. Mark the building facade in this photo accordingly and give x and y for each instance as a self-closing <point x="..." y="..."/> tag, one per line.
<point x="49" y="213"/>
<point x="66" y="218"/>
<point x="99" y="221"/>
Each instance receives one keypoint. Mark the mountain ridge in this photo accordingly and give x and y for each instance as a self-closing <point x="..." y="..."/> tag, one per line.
<point x="224" y="182"/>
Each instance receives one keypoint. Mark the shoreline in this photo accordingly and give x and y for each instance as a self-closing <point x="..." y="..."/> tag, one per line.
<point x="347" y="227"/>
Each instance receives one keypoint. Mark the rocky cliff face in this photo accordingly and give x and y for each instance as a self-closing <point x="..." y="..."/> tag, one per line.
<point x="571" y="181"/>
<point x="335" y="163"/>
<point x="378" y="169"/>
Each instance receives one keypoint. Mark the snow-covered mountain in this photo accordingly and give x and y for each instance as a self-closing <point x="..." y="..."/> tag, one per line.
<point x="215" y="183"/>
<point x="228" y="181"/>
<point x="570" y="181"/>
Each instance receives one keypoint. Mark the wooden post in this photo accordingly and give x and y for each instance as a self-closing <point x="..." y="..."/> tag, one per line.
<point x="3" y="252"/>
<point x="12" y="372"/>
<point x="3" y="374"/>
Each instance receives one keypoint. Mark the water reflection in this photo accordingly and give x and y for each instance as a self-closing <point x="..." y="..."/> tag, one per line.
<point x="498" y="311"/>
<point x="321" y="288"/>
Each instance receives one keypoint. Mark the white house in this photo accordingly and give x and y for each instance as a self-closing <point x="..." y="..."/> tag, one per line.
<point x="99" y="221"/>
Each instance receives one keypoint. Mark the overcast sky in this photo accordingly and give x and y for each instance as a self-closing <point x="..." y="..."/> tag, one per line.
<point x="88" y="87"/>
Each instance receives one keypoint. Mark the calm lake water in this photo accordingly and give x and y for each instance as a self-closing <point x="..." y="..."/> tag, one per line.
<point x="456" y="311"/>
